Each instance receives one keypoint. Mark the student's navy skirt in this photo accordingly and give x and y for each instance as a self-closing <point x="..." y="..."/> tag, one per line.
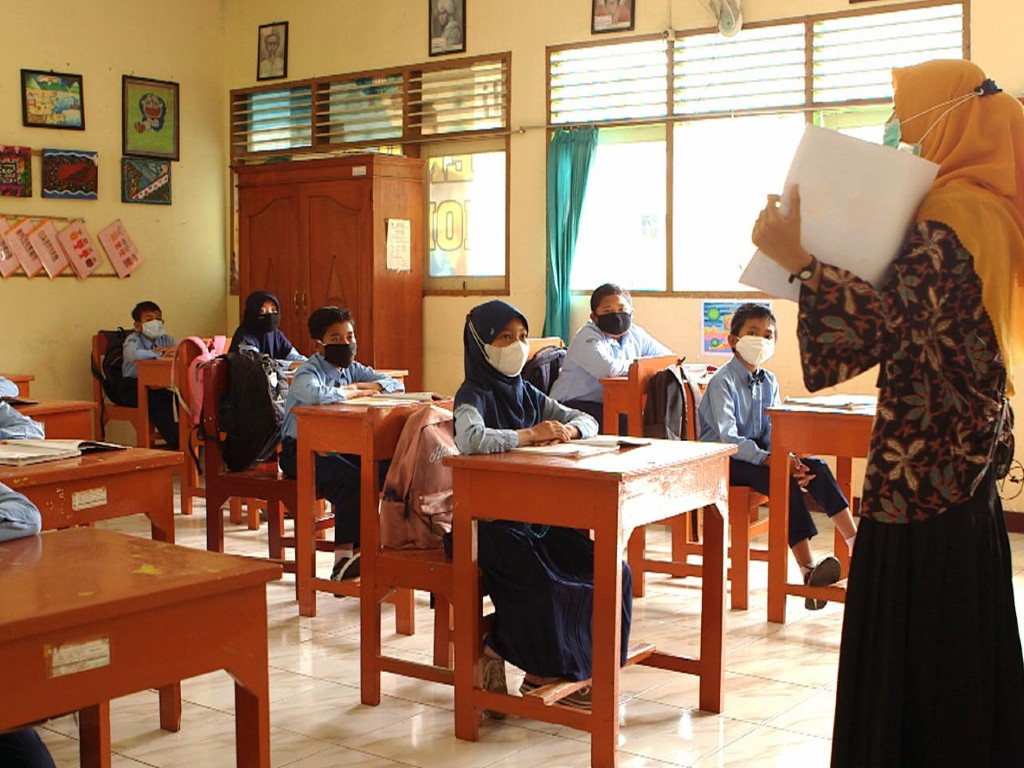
<point x="542" y="588"/>
<point x="930" y="670"/>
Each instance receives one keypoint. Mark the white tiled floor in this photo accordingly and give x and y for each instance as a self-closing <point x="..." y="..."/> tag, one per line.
<point x="780" y="684"/>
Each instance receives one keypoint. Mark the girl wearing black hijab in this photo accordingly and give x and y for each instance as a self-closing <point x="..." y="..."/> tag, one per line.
<point x="259" y="329"/>
<point x="540" y="578"/>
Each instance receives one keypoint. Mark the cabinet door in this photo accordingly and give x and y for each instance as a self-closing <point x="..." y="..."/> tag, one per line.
<point x="269" y="258"/>
<point x="335" y="237"/>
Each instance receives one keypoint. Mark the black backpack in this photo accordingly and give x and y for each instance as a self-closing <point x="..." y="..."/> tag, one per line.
<point x="253" y="409"/>
<point x="672" y="401"/>
<point x="109" y="372"/>
<point x="543" y="368"/>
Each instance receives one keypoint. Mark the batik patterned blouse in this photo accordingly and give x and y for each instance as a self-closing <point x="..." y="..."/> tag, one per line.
<point x="941" y="379"/>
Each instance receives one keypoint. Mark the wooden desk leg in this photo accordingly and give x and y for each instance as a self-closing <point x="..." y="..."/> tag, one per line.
<point x="635" y="554"/>
<point x="189" y="475"/>
<point x="607" y="634"/>
<point x="94" y="733"/>
<point x="369" y="604"/>
<point x="252" y="695"/>
<point x="778" y="532"/>
<point x="305" y="543"/>
<point x="161" y="521"/>
<point x="712" y="606"/>
<point x="142" y="440"/>
<point x="170" y="707"/>
<point x="844" y="476"/>
<point x="467" y="617"/>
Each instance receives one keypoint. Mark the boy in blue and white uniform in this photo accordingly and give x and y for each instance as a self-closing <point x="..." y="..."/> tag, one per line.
<point x="149" y="342"/>
<point x="17" y="426"/>
<point x="332" y="375"/>
<point x="605" y="346"/>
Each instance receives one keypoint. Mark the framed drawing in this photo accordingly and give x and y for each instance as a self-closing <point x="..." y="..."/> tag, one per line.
<point x="447" y="26"/>
<point x="150" y="117"/>
<point x="272" y="51"/>
<point x="70" y="174"/>
<point x="52" y="100"/>
<point x="15" y="172"/>
<point x="612" y="16"/>
<point x="145" y="181"/>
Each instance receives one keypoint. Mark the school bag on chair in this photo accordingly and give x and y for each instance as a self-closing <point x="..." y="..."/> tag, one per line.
<point x="417" y="508"/>
<point x="672" y="400"/>
<point x="543" y="368"/>
<point x="109" y="372"/>
<point x="252" y="411"/>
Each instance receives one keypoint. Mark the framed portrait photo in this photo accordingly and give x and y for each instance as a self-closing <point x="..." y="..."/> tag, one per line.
<point x="612" y="16"/>
<point x="447" y="26"/>
<point x="52" y="100"/>
<point x="272" y="51"/>
<point x="150" y="117"/>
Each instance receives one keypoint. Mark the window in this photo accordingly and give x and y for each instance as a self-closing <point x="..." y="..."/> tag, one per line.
<point x="733" y="110"/>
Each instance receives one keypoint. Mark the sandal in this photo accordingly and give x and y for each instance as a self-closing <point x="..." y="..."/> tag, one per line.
<point x="493" y="674"/>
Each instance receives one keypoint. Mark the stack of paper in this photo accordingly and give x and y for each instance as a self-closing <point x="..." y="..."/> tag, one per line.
<point x="572" y="450"/>
<point x="32" y="451"/>
<point x="836" y="402"/>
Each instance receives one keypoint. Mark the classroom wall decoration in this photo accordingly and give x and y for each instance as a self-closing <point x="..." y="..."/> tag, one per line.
<point x="78" y="245"/>
<point x="717" y="317"/>
<point x="18" y="242"/>
<point x="15" y="171"/>
<point x="150" y="117"/>
<point x="8" y="261"/>
<point x="145" y="181"/>
<point x="52" y="100"/>
<point x="69" y="174"/>
<point x="46" y="245"/>
<point x="120" y="248"/>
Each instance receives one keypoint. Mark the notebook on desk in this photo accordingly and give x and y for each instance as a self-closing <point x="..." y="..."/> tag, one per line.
<point x="16" y="400"/>
<point x="31" y="451"/>
<point x="571" y="450"/>
<point x="837" y="402"/>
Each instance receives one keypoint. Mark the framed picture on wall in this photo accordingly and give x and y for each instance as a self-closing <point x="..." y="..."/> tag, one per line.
<point x="272" y="51"/>
<point x="612" y="16"/>
<point x="145" y="181"/>
<point x="447" y="26"/>
<point x="52" y="100"/>
<point x="150" y="117"/>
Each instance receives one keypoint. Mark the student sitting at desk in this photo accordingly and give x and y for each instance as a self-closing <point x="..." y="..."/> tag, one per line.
<point x="17" y="426"/>
<point x="734" y="410"/>
<point x="19" y="517"/>
<point x="8" y="388"/>
<point x="603" y="347"/>
<point x="332" y="375"/>
<point x="149" y="342"/>
<point x="259" y="330"/>
<point x="540" y="578"/>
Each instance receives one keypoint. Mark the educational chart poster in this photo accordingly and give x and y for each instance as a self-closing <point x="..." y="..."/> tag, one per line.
<point x="120" y="248"/>
<point x="79" y="247"/>
<point x="15" y="172"/>
<point x="18" y="242"/>
<point x="8" y="261"/>
<point x="69" y="174"/>
<point x="48" y="248"/>
<point x="717" y="317"/>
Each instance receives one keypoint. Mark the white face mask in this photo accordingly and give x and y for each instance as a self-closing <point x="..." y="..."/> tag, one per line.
<point x="508" y="360"/>
<point x="755" y="350"/>
<point x="153" y="329"/>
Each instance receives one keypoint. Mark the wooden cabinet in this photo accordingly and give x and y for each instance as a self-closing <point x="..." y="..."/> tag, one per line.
<point x="314" y="233"/>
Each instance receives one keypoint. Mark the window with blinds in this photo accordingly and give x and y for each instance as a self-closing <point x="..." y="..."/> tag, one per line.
<point x="370" y="109"/>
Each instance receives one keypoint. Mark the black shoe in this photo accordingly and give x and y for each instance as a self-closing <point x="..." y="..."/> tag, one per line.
<point x="346" y="568"/>
<point x="826" y="572"/>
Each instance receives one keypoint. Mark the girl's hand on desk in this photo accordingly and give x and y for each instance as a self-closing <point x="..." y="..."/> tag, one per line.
<point x="546" y="433"/>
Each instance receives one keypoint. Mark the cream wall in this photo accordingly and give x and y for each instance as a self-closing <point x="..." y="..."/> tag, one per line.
<point x="335" y="36"/>
<point x="47" y="325"/>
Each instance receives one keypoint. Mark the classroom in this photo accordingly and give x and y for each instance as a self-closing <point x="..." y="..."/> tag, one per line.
<point x="659" y="175"/>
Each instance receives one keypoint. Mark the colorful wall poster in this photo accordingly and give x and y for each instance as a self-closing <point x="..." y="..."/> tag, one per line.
<point x="120" y="249"/>
<point x="48" y="248"/>
<point x="717" y="317"/>
<point x="78" y="246"/>
<point x="69" y="174"/>
<point x="15" y="171"/>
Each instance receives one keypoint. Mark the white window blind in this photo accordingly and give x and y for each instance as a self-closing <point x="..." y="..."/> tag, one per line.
<point x="364" y="109"/>
<point x="271" y="120"/>
<point x="460" y="99"/>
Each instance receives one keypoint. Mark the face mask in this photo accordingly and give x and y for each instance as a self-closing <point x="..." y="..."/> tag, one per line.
<point x="268" y="322"/>
<point x="615" y="323"/>
<point x="892" y="138"/>
<point x="340" y="355"/>
<point x="152" y="329"/>
<point x="755" y="350"/>
<point x="508" y="360"/>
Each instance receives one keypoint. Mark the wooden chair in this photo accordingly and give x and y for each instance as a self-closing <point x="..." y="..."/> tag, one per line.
<point x="107" y="410"/>
<point x="538" y="343"/>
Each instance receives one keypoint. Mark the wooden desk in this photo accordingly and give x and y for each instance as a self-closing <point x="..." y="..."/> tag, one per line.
<point x="137" y="614"/>
<point x="610" y="494"/>
<point x="102" y="486"/>
<point x="153" y="374"/>
<point x="23" y="382"/>
<point x="807" y="432"/>
<point x="63" y="419"/>
<point x="369" y="432"/>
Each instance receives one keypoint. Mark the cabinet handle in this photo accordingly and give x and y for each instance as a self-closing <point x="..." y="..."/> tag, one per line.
<point x="296" y="303"/>
<point x="305" y="301"/>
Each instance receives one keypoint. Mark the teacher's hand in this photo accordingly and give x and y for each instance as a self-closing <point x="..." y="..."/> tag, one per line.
<point x="778" y="236"/>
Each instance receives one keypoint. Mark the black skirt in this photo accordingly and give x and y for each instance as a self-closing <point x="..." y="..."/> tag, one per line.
<point x="930" y="669"/>
<point x="542" y="587"/>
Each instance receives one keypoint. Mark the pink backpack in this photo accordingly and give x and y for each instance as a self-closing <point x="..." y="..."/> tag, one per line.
<point x="191" y="400"/>
<point x="417" y="506"/>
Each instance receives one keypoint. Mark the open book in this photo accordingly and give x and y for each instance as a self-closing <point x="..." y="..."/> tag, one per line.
<point x="836" y="402"/>
<point x="415" y="397"/>
<point x="32" y="451"/>
<point x="570" y="450"/>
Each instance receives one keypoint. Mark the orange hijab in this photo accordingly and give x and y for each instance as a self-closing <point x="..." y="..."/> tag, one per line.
<point x="979" y="192"/>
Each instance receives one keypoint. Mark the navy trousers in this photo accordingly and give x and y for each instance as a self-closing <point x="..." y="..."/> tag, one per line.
<point x="161" y="409"/>
<point x="24" y="749"/>
<point x="823" y="489"/>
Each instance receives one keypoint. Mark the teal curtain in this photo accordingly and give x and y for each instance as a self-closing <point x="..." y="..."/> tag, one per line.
<point x="569" y="158"/>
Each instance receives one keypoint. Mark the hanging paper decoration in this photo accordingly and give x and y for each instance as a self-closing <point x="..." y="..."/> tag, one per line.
<point x="120" y="249"/>
<point x="46" y="245"/>
<point x="8" y="261"/>
<point x="80" y="250"/>
<point x="69" y="174"/>
<point x="18" y="242"/>
<point x="15" y="171"/>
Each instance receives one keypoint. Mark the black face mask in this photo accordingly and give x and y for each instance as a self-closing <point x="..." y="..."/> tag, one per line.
<point x="615" y="323"/>
<point x="340" y="355"/>
<point x="268" y="322"/>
